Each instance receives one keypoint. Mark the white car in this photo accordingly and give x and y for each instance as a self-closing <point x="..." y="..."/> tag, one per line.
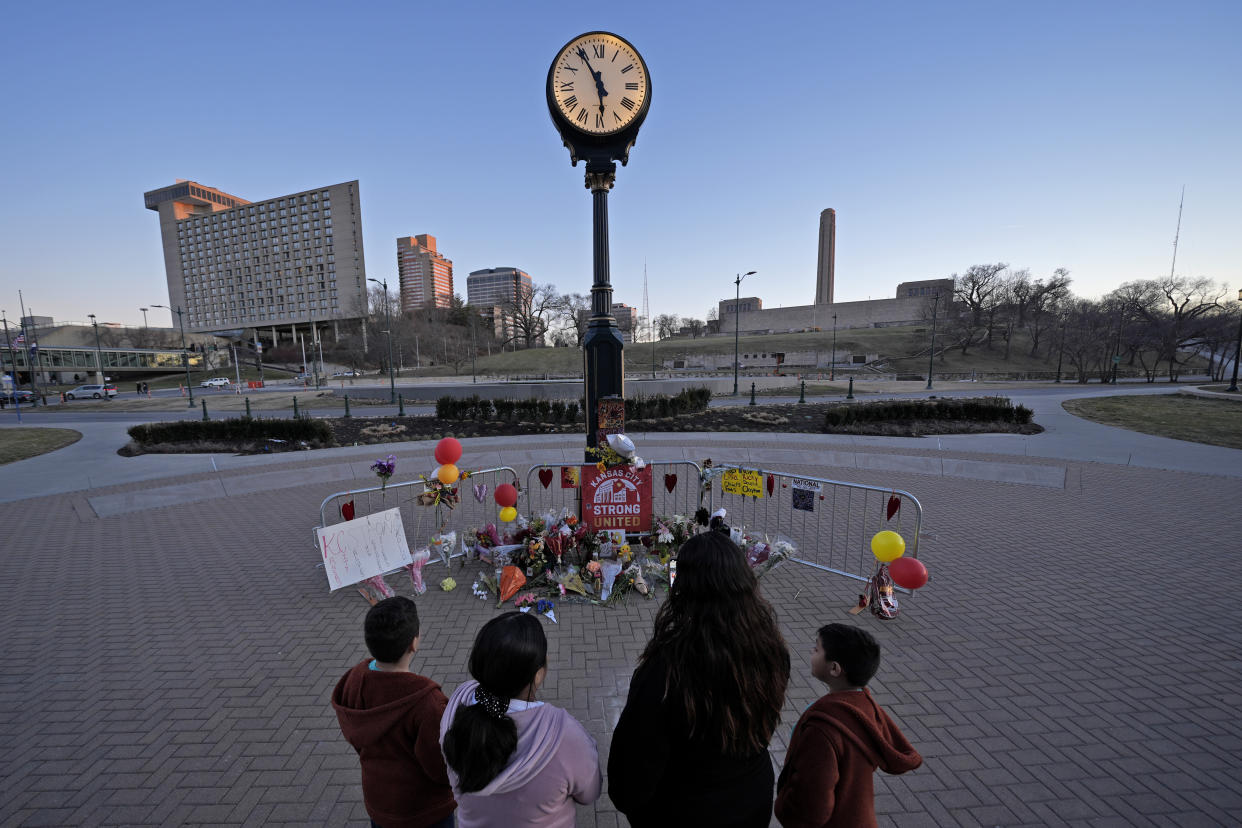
<point x="214" y="382"/>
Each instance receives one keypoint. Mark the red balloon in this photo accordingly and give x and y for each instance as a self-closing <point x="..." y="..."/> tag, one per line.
<point x="908" y="572"/>
<point x="506" y="495"/>
<point x="448" y="451"/>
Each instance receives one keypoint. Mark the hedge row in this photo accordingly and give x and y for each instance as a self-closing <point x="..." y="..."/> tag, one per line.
<point x="690" y="401"/>
<point x="531" y="410"/>
<point x="241" y="429"/>
<point x="984" y="409"/>
<point x="475" y="408"/>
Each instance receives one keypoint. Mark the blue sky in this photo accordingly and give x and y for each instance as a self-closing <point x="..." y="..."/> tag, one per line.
<point x="944" y="134"/>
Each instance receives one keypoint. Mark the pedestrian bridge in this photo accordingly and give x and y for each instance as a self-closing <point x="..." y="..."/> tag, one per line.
<point x="61" y="364"/>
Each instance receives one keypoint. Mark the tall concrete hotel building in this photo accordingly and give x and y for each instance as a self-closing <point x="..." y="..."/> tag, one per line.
<point x="264" y="269"/>
<point x="426" y="277"/>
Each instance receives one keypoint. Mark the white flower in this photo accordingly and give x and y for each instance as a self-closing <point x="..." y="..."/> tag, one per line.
<point x="665" y="537"/>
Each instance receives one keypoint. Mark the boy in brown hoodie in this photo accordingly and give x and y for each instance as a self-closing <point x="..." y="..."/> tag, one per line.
<point x="841" y="739"/>
<point x="392" y="718"/>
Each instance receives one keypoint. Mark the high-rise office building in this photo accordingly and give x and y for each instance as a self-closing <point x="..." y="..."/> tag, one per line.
<point x="426" y="277"/>
<point x="270" y="266"/>
<point x="825" y="275"/>
<point x="499" y="286"/>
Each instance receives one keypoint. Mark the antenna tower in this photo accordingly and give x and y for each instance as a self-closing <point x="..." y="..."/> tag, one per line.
<point x="1178" y="232"/>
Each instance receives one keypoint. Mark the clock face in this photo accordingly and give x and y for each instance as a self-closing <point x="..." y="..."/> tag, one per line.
<point x="599" y="83"/>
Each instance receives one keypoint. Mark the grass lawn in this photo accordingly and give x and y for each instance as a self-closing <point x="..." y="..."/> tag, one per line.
<point x="1199" y="420"/>
<point x="20" y="443"/>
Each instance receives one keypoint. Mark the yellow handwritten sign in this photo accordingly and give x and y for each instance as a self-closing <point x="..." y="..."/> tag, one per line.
<point x="742" y="482"/>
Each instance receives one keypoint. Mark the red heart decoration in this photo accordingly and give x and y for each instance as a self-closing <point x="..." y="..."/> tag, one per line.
<point x="347" y="510"/>
<point x="894" y="506"/>
<point x="670" y="482"/>
<point x="545" y="477"/>
<point x="771" y="484"/>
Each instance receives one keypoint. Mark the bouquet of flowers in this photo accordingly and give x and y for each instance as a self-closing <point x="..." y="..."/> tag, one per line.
<point x="384" y="468"/>
<point x="668" y="534"/>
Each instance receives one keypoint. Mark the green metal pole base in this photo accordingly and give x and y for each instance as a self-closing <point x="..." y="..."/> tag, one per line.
<point x="295" y="408"/>
<point x="752" y="393"/>
<point x="248" y="416"/>
<point x="802" y="395"/>
<point x="205" y="417"/>
<point x="850" y="395"/>
<point x="400" y="406"/>
<point x="347" y="414"/>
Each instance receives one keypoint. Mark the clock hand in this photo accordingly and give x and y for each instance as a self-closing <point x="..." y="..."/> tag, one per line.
<point x="596" y="76"/>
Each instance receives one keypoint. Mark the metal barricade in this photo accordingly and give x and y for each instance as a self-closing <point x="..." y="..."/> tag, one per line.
<point x="830" y="522"/>
<point x="476" y="507"/>
<point x="675" y="489"/>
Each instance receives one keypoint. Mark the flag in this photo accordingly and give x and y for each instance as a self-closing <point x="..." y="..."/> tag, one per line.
<point x="20" y="340"/>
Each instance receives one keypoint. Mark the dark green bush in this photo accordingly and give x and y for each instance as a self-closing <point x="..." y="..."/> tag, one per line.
<point x="984" y="410"/>
<point x="238" y="430"/>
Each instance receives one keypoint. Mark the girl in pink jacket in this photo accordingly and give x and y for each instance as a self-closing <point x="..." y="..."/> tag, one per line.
<point x="513" y="760"/>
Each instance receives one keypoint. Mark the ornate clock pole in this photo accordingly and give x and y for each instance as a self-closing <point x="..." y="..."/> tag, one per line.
<point x="598" y="94"/>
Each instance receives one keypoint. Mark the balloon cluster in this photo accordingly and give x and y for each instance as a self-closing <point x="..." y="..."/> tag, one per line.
<point x="506" y="498"/>
<point x="448" y="452"/>
<point x="889" y="547"/>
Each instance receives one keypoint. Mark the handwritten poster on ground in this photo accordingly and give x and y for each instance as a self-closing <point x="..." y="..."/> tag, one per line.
<point x="744" y="482"/>
<point x="359" y="549"/>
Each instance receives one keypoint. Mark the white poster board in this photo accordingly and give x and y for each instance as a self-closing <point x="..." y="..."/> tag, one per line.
<point x="359" y="549"/>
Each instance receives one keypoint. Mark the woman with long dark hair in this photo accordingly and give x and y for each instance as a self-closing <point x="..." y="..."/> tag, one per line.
<point x="512" y="760"/>
<point x="691" y="747"/>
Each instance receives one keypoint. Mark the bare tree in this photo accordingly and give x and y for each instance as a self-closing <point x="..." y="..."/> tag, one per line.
<point x="697" y="327"/>
<point x="1043" y="305"/>
<point x="1176" y="309"/>
<point x="666" y="325"/>
<point x="574" y="311"/>
<point x="976" y="290"/>
<point x="532" y="313"/>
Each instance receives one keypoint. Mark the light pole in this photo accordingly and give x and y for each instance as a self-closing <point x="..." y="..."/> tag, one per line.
<point x="832" y="366"/>
<point x="98" y="350"/>
<point x="13" y="360"/>
<point x="185" y="355"/>
<point x="144" y="316"/>
<point x="737" y="315"/>
<point x="1237" y="352"/>
<point x="392" y="378"/>
<point x="1060" y="352"/>
<point x="931" y="358"/>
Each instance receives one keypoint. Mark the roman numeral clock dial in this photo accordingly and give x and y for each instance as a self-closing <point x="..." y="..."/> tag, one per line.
<point x="598" y="85"/>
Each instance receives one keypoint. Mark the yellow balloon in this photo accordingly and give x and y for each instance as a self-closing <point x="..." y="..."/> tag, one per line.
<point x="888" y="546"/>
<point x="447" y="474"/>
<point x="508" y="514"/>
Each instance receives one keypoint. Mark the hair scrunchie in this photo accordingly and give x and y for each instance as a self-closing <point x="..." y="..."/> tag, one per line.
<point x="493" y="705"/>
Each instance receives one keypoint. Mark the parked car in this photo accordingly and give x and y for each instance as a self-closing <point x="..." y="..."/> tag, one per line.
<point x="23" y="396"/>
<point x="347" y="374"/>
<point x="214" y="382"/>
<point x="94" y="392"/>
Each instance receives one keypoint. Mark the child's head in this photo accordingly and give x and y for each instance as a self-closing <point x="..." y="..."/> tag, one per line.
<point x="844" y="656"/>
<point x="391" y="627"/>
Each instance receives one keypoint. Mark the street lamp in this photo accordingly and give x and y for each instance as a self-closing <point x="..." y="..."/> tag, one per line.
<point x="931" y="357"/>
<point x="392" y="381"/>
<point x="144" y="316"/>
<point x="1061" y="352"/>
<point x="1237" y="352"/>
<point x="737" y="312"/>
<point x="185" y="355"/>
<point x="98" y="350"/>
<point x="832" y="366"/>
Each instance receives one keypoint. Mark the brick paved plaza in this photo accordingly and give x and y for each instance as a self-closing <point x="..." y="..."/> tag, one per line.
<point x="1075" y="659"/>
